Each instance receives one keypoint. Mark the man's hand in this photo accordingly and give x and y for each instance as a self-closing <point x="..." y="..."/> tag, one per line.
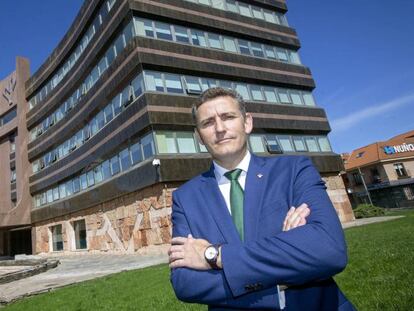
<point x="188" y="252"/>
<point x="296" y="217"/>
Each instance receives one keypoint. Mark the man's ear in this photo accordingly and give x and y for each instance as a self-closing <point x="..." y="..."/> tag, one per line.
<point x="248" y="123"/>
<point x="197" y="135"/>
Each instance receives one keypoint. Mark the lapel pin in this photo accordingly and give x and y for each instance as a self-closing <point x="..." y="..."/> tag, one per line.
<point x="259" y="175"/>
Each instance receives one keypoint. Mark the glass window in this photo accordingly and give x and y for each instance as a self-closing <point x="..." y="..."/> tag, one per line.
<point x="69" y="188"/>
<point x="256" y="143"/>
<point x="128" y="33"/>
<point x="57" y="240"/>
<point x="79" y="227"/>
<point x="208" y="83"/>
<point x="294" y="58"/>
<point x="268" y="16"/>
<point x="100" y="119"/>
<point x="166" y="142"/>
<point x="281" y="54"/>
<point x="43" y="198"/>
<point x="55" y="193"/>
<point x="400" y="170"/>
<point x="83" y="182"/>
<point x="137" y="85"/>
<point x="232" y="6"/>
<point x="244" y="47"/>
<point x="245" y="9"/>
<point x="136" y="153"/>
<point x="218" y="4"/>
<point x="181" y="34"/>
<point x="243" y="91"/>
<point x="193" y="85"/>
<point x="296" y="98"/>
<point x="272" y="144"/>
<point x="163" y="31"/>
<point x="102" y="65"/>
<point x="270" y="94"/>
<point x="284" y="97"/>
<point x="97" y="171"/>
<point x="91" y="178"/>
<point x="147" y="143"/>
<point x="286" y="143"/>
<point x="62" y="191"/>
<point x="106" y="170"/>
<point x="324" y="144"/>
<point x="119" y="44"/>
<point x="308" y="99"/>
<point x="115" y="165"/>
<point x="49" y="196"/>
<point x="270" y="52"/>
<point x="94" y="126"/>
<point x="117" y="104"/>
<point x="256" y="92"/>
<point x="185" y="142"/>
<point x="257" y="49"/>
<point x="311" y="144"/>
<point x="139" y="27"/>
<point x="198" y="37"/>
<point x="214" y="41"/>
<point x="125" y="159"/>
<point x="108" y="113"/>
<point x="299" y="144"/>
<point x="257" y="12"/>
<point x="173" y="83"/>
<point x="76" y="185"/>
<point x="110" y="55"/>
<point x="226" y="84"/>
<point x="153" y="81"/>
<point x="148" y="29"/>
<point x="229" y="44"/>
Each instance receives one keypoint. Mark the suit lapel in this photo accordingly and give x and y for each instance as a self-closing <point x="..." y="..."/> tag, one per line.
<point x="256" y="180"/>
<point x="216" y="205"/>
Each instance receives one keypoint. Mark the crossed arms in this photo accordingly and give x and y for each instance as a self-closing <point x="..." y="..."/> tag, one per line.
<point x="310" y="252"/>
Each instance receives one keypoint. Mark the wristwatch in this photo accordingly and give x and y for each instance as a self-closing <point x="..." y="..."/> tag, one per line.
<point x="211" y="254"/>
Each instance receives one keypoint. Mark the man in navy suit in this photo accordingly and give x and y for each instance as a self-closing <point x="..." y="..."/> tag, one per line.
<point x="238" y="242"/>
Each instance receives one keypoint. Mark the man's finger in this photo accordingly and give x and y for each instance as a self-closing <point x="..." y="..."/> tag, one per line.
<point x="176" y="256"/>
<point x="177" y="263"/>
<point x="175" y="248"/>
<point x="303" y="210"/>
<point x="178" y="240"/>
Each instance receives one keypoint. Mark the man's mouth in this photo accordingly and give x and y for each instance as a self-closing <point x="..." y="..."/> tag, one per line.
<point x="223" y="140"/>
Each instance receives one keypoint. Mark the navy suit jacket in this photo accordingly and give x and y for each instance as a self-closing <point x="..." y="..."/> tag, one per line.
<point x="305" y="258"/>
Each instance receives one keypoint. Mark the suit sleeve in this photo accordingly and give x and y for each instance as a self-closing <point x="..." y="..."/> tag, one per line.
<point x="209" y="287"/>
<point x="312" y="252"/>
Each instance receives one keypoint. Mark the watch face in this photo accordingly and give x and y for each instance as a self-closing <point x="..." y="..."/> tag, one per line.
<point x="210" y="253"/>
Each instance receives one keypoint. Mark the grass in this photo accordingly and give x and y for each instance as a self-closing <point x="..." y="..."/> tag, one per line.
<point x="379" y="276"/>
<point x="380" y="272"/>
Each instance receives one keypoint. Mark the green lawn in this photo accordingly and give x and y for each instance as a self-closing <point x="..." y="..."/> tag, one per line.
<point x="379" y="277"/>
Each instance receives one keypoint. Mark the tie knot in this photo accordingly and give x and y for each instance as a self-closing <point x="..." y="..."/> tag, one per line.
<point x="234" y="174"/>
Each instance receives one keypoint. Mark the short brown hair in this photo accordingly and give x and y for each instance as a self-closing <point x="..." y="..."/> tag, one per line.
<point x="213" y="93"/>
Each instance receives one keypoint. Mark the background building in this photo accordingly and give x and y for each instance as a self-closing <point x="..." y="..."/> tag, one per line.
<point x="15" y="199"/>
<point x="116" y="94"/>
<point x="387" y="168"/>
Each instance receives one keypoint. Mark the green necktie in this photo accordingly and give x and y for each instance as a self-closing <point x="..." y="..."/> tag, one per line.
<point x="236" y="200"/>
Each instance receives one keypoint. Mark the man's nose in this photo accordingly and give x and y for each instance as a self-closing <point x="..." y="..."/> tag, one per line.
<point x="219" y="125"/>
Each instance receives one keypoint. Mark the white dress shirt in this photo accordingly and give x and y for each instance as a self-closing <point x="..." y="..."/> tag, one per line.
<point x="224" y="185"/>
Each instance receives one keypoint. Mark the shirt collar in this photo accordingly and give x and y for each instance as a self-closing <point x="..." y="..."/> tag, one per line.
<point x="219" y="171"/>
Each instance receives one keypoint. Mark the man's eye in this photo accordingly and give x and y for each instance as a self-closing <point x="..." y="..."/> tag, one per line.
<point x="207" y="123"/>
<point x="229" y="117"/>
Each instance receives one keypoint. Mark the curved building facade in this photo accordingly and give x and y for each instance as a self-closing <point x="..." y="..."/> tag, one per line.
<point x="109" y="114"/>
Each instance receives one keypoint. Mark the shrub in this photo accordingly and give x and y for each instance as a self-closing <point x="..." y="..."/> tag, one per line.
<point x="368" y="210"/>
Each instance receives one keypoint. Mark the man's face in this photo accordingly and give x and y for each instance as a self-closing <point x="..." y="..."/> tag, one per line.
<point x="223" y="130"/>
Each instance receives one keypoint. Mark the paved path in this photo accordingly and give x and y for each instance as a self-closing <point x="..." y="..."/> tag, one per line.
<point x="74" y="269"/>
